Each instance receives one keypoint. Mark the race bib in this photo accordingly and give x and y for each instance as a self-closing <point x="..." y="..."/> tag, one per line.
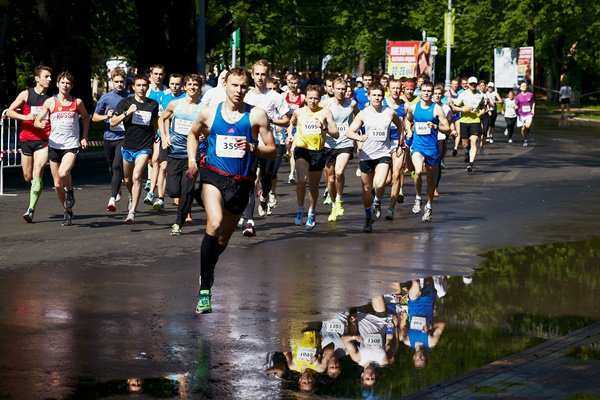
<point x="334" y="326"/>
<point x="418" y="323"/>
<point x="182" y="126"/>
<point x="526" y="109"/>
<point x="312" y="127"/>
<point x="421" y="128"/>
<point x="306" y="354"/>
<point x="141" y="117"/>
<point x="342" y="129"/>
<point x="118" y="128"/>
<point x="373" y="340"/>
<point x="226" y="147"/>
<point x="378" y="134"/>
<point x="36" y="110"/>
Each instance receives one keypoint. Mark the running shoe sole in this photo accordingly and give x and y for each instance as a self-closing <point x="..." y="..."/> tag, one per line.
<point x="28" y="217"/>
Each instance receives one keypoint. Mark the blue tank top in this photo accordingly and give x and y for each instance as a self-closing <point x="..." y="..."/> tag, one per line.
<point x="184" y="115"/>
<point x="421" y="308"/>
<point x="424" y="138"/>
<point x="400" y="112"/>
<point x="222" y="154"/>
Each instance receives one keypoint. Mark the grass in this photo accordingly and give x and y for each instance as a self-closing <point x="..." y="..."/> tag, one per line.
<point x="584" y="396"/>
<point x="587" y="352"/>
<point x="485" y="389"/>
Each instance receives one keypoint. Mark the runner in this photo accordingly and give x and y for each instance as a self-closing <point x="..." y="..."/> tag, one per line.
<point x="277" y="111"/>
<point x="312" y="124"/>
<point x="139" y="115"/>
<point x="339" y="151"/>
<point x="525" y="102"/>
<point x="374" y="148"/>
<point x="174" y="124"/>
<point x="510" y="114"/>
<point x="425" y="119"/>
<point x="437" y="98"/>
<point x="64" y="140"/>
<point x="384" y="80"/>
<point x="451" y="97"/>
<point x="155" y="92"/>
<point x="361" y="94"/>
<point x="215" y="95"/>
<point x="471" y="105"/>
<point x="232" y="130"/>
<point x="329" y="93"/>
<point x="564" y="98"/>
<point x="493" y="100"/>
<point x="396" y="175"/>
<point x="113" y="137"/>
<point x="34" y="141"/>
<point x="485" y="116"/>
<point x="295" y="99"/>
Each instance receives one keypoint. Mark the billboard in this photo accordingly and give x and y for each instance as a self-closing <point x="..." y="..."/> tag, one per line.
<point x="408" y="58"/>
<point x="512" y="66"/>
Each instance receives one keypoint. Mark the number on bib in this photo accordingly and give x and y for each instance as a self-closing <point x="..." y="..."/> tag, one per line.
<point x="342" y="129"/>
<point x="182" y="126"/>
<point x="312" y="127"/>
<point x="418" y="323"/>
<point x="35" y="110"/>
<point x="373" y="340"/>
<point x="306" y="354"/>
<point x="334" y="326"/>
<point x="421" y="128"/>
<point x="141" y="118"/>
<point x="226" y="147"/>
<point x="378" y="134"/>
<point x="526" y="109"/>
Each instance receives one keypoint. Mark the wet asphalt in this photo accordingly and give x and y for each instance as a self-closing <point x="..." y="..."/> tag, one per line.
<point x="105" y="302"/>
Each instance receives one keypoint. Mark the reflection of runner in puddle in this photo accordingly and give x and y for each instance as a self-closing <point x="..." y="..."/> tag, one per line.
<point x="417" y="329"/>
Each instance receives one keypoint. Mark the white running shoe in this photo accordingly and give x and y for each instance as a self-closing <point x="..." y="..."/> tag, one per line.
<point x="417" y="207"/>
<point x="427" y="214"/>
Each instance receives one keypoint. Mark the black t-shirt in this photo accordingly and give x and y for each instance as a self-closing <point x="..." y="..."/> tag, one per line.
<point x="139" y="126"/>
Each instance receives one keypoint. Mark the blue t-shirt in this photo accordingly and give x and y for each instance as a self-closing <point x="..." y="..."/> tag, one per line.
<point x="108" y="102"/>
<point x="156" y="94"/>
<point x="362" y="97"/>
<point x="168" y="97"/>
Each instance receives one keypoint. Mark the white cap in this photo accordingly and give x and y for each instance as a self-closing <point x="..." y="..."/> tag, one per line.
<point x="491" y="84"/>
<point x="472" y="80"/>
<point x="359" y="79"/>
<point x="467" y="280"/>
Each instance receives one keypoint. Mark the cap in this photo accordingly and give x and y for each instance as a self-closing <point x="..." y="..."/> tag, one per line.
<point x="472" y="80"/>
<point x="467" y="280"/>
<point x="491" y="84"/>
<point x="359" y="79"/>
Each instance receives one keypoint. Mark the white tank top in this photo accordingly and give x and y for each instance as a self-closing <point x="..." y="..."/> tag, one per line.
<point x="342" y="115"/>
<point x="377" y="129"/>
<point x="372" y="332"/>
<point x="64" y="126"/>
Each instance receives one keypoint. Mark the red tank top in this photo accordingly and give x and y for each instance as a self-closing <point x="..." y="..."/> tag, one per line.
<point x="33" y="105"/>
<point x="294" y="105"/>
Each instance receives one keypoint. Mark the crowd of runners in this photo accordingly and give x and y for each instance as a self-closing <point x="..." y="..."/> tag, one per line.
<point x="224" y="146"/>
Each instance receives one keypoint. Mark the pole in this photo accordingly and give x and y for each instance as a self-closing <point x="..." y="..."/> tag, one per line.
<point x="448" y="47"/>
<point x="200" y="36"/>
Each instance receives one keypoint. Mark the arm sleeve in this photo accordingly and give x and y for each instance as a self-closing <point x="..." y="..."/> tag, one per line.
<point x="100" y="106"/>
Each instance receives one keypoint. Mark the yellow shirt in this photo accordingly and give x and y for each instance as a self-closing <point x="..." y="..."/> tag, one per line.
<point x="309" y="134"/>
<point x="304" y="351"/>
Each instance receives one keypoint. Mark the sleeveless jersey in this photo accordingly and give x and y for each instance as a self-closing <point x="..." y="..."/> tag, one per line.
<point x="64" y="125"/>
<point x="372" y="346"/>
<point x="222" y="156"/>
<point x="304" y="351"/>
<point x="400" y="112"/>
<point x="184" y="115"/>
<point x="296" y="104"/>
<point x="424" y="138"/>
<point x="377" y="128"/>
<point x="420" y="316"/>
<point x="342" y="115"/>
<point x="33" y="106"/>
<point x="309" y="134"/>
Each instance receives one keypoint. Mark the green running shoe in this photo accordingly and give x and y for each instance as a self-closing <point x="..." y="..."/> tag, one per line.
<point x="204" y="306"/>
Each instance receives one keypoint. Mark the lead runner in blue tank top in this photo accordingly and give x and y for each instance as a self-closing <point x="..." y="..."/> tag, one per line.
<point x="425" y="119"/>
<point x="227" y="173"/>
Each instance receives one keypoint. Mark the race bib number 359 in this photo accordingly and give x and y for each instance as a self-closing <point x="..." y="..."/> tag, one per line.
<point x="226" y="146"/>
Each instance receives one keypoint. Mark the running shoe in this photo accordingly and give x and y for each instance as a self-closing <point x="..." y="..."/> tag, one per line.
<point x="272" y="200"/>
<point x="368" y="228"/>
<point x="417" y="207"/>
<point x="509" y="140"/>
<point x="358" y="173"/>
<point x="333" y="214"/>
<point x="269" y="209"/>
<point x="204" y="305"/>
<point x="149" y="199"/>
<point x="311" y="222"/>
<point x="130" y="220"/>
<point x="118" y="198"/>
<point x="326" y="193"/>
<point x="506" y="132"/>
<point x="262" y="207"/>
<point x="400" y="198"/>
<point x="525" y="144"/>
<point x="339" y="206"/>
<point x="299" y="218"/>
<point x="69" y="199"/>
<point x="249" y="230"/>
<point x="442" y="164"/>
<point x="112" y="206"/>
<point x="427" y="214"/>
<point x="291" y="179"/>
<point x="491" y="140"/>
<point x="469" y="168"/>
<point x="159" y="204"/>
<point x="327" y="200"/>
<point x="390" y="214"/>
<point x="454" y="152"/>
<point x="147" y="185"/>
<point x="240" y="223"/>
<point x="377" y="210"/>
<point x="28" y="216"/>
<point x="175" y="230"/>
<point x="67" y="218"/>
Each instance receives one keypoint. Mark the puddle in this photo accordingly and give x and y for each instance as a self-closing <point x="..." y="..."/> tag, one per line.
<point x="436" y="328"/>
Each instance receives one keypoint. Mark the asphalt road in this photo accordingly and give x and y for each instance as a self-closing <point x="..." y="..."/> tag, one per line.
<point x="101" y="300"/>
